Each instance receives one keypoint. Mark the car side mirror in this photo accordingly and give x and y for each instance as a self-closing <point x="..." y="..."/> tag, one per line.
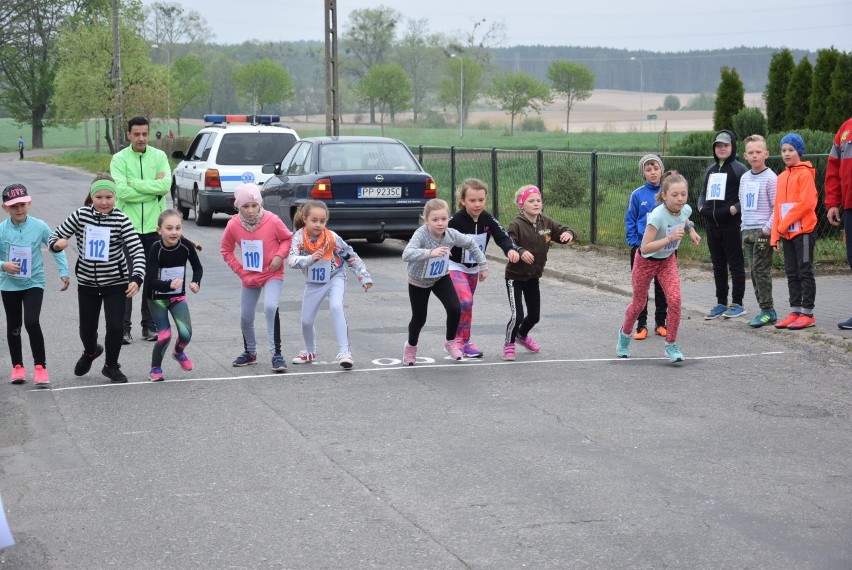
<point x="178" y="154"/>
<point x="271" y="168"/>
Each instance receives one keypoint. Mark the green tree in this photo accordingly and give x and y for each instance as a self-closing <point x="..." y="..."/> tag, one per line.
<point x="797" y="99"/>
<point x="781" y="67"/>
<point x="191" y="88"/>
<point x="516" y="93"/>
<point x="421" y="58"/>
<point x="730" y="98"/>
<point x="462" y="84"/>
<point x="222" y="95"/>
<point x="169" y="23"/>
<point x="387" y="87"/>
<point x="573" y="81"/>
<point x="671" y="103"/>
<point x="839" y="102"/>
<point x="820" y="88"/>
<point x="30" y="30"/>
<point x="264" y="83"/>
<point x="367" y="39"/>
<point x="83" y="86"/>
<point x="750" y="121"/>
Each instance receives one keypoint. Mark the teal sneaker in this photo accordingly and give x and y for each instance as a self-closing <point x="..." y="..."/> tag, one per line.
<point x="623" y="347"/>
<point x="673" y="352"/>
<point x="764" y="318"/>
<point x="716" y="312"/>
<point x="734" y="311"/>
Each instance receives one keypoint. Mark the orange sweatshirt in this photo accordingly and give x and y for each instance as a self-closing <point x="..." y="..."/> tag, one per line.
<point x="796" y="193"/>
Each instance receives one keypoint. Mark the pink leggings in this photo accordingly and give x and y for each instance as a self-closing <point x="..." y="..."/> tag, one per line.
<point x="644" y="271"/>
<point x="465" y="284"/>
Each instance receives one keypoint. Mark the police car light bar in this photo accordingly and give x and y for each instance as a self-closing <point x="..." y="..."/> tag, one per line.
<point x="253" y="119"/>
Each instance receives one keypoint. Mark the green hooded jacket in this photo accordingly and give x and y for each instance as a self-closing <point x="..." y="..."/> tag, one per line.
<point x="140" y="195"/>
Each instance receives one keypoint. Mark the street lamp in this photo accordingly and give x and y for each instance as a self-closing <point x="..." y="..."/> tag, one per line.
<point x="641" y="92"/>
<point x="461" y="95"/>
<point x="168" y="81"/>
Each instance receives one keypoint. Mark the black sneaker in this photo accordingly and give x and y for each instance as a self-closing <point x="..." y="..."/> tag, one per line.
<point x="149" y="334"/>
<point x="127" y="338"/>
<point x="114" y="373"/>
<point x="84" y="364"/>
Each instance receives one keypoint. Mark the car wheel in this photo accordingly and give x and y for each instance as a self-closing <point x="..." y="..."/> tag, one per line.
<point x="201" y="218"/>
<point x="176" y="203"/>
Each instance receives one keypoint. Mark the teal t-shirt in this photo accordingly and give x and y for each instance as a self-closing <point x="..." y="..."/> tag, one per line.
<point x="666" y="223"/>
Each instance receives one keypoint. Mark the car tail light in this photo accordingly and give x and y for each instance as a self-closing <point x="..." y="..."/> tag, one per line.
<point x="211" y="179"/>
<point x="431" y="189"/>
<point x="321" y="190"/>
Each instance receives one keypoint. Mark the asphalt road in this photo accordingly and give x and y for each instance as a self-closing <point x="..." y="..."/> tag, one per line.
<point x="572" y="458"/>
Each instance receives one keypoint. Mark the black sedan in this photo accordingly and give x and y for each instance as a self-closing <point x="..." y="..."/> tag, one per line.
<point x="373" y="186"/>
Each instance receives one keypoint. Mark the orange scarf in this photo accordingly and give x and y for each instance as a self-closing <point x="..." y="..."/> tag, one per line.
<point x="324" y="243"/>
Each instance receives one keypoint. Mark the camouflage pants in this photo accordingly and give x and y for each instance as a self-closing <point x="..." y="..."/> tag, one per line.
<point x="758" y="261"/>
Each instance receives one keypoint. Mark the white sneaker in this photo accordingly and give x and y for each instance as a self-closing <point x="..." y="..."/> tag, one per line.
<point x="304" y="357"/>
<point x="345" y="360"/>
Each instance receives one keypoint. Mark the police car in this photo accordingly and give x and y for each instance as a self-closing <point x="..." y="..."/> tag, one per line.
<point x="227" y="152"/>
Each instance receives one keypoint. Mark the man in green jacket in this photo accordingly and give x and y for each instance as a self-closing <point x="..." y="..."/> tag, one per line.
<point x="143" y="177"/>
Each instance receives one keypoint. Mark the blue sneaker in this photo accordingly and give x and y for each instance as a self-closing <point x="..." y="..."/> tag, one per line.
<point x="845" y="325"/>
<point x="278" y="363"/>
<point x="623" y="346"/>
<point x="734" y="311"/>
<point x="245" y="359"/>
<point x="673" y="352"/>
<point x="764" y="318"/>
<point x="716" y="312"/>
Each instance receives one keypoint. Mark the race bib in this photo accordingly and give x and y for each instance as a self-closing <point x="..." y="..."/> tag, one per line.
<point x="480" y="239"/>
<point x="171" y="273"/>
<point x="675" y="244"/>
<point x="24" y="256"/>
<point x="748" y="200"/>
<point x="437" y="267"/>
<point x="96" y="241"/>
<point x="716" y="186"/>
<point x="786" y="207"/>
<point x="319" y="272"/>
<point x="252" y="250"/>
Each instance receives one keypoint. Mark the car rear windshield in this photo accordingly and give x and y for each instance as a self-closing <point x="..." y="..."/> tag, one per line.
<point x="366" y="156"/>
<point x="254" y="148"/>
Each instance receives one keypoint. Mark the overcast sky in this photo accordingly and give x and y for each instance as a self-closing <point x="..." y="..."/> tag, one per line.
<point x="662" y="25"/>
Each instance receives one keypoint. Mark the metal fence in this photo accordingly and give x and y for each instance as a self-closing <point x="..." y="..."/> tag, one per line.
<point x="588" y="191"/>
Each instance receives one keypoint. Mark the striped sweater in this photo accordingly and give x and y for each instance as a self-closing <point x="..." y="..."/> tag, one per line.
<point x="759" y="214"/>
<point x="113" y="270"/>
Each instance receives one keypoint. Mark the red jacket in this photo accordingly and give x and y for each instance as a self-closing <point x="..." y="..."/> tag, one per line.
<point x="796" y="187"/>
<point x="838" y="174"/>
<point x="276" y="240"/>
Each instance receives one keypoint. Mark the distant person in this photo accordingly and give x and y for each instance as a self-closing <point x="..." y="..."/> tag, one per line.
<point x="143" y="179"/>
<point x="21" y="147"/>
<point x="159" y="135"/>
<point x="642" y="202"/>
<point x="757" y="199"/>
<point x="719" y="203"/>
<point x="532" y="232"/>
<point x="322" y="255"/>
<point x="793" y="224"/>
<point x="838" y="190"/>
<point x="264" y="243"/>
<point x="171" y="134"/>
<point x="106" y="276"/>
<point x="428" y="256"/>
<point x="666" y="226"/>
<point x="165" y="274"/>
<point x="22" y="281"/>
<point x="472" y="219"/>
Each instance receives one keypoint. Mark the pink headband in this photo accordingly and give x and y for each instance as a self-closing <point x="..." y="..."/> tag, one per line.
<point x="529" y="190"/>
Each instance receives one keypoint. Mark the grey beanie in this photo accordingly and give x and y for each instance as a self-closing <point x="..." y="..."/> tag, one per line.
<point x="648" y="158"/>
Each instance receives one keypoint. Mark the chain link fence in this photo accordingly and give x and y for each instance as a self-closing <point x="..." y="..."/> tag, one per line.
<point x="588" y="191"/>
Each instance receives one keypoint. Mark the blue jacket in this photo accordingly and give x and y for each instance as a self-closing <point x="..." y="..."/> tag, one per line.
<point x="32" y="233"/>
<point x="642" y="201"/>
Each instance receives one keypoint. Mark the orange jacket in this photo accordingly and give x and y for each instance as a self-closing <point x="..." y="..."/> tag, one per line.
<point x="796" y="187"/>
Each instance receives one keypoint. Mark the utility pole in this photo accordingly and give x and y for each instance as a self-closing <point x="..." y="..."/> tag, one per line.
<point x="332" y="87"/>
<point x="118" y="116"/>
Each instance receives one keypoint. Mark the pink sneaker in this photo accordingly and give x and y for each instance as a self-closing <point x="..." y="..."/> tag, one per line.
<point x="19" y="374"/>
<point x="40" y="377"/>
<point x="409" y="355"/>
<point x="528" y="343"/>
<point x="184" y="360"/>
<point x="509" y="351"/>
<point x="452" y="348"/>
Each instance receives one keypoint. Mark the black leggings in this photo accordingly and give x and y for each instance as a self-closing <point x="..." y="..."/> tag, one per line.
<point x="90" y="300"/>
<point x="520" y="291"/>
<point x="24" y="308"/>
<point x="419" y="297"/>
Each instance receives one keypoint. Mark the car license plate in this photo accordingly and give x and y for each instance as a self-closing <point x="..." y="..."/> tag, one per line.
<point x="380" y="191"/>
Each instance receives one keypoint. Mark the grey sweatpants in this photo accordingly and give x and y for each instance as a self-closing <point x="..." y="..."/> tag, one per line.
<point x="311" y="301"/>
<point x="248" y="302"/>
